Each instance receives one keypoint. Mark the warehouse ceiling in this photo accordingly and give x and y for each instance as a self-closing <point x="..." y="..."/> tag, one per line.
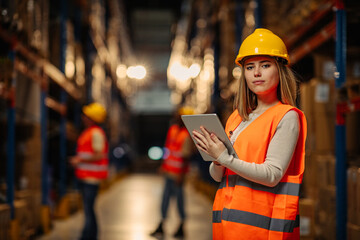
<point x="150" y="25"/>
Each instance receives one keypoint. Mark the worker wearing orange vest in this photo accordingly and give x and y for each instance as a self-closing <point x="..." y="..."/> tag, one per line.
<point x="174" y="163"/>
<point x="91" y="164"/>
<point x="258" y="195"/>
<point x="178" y="149"/>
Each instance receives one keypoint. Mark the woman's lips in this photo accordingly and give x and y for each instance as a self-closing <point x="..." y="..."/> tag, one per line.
<point x="258" y="82"/>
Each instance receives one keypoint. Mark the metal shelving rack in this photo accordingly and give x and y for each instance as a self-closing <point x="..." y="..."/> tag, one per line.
<point x="340" y="128"/>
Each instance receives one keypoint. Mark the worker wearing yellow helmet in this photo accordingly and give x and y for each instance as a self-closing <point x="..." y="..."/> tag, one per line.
<point x="185" y="110"/>
<point x="178" y="150"/>
<point x="95" y="111"/>
<point x="258" y="196"/>
<point x="91" y="163"/>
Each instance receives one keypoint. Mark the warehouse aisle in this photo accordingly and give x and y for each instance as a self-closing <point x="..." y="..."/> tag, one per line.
<point x="129" y="210"/>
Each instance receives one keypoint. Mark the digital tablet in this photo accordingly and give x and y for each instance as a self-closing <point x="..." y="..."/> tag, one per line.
<point x="212" y="123"/>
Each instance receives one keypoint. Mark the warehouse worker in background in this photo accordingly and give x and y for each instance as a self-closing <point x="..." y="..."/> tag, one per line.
<point x="175" y="166"/>
<point x="258" y="197"/>
<point x="91" y="163"/>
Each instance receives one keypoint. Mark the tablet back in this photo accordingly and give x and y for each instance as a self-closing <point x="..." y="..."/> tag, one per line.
<point x="212" y="123"/>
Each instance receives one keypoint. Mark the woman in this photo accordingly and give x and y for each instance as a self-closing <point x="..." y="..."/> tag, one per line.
<point x="258" y="196"/>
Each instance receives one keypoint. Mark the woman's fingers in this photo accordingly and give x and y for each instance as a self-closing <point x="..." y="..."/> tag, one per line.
<point x="208" y="142"/>
<point x="200" y="139"/>
<point x="199" y="136"/>
<point x="214" y="138"/>
<point x="205" y="133"/>
<point x="205" y="137"/>
<point x="201" y="148"/>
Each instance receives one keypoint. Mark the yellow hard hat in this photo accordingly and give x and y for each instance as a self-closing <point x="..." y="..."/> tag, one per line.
<point x="186" y="110"/>
<point x="262" y="42"/>
<point x="95" y="111"/>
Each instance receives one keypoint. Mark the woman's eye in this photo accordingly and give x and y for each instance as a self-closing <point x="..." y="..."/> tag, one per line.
<point x="249" y="67"/>
<point x="266" y="65"/>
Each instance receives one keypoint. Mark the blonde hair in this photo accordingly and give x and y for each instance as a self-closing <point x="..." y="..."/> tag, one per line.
<point x="246" y="101"/>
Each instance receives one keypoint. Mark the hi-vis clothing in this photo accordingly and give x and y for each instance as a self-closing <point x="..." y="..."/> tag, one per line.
<point x="246" y="210"/>
<point x="91" y="169"/>
<point x="173" y="160"/>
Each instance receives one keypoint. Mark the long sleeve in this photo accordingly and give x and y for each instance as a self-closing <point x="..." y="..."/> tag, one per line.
<point x="216" y="171"/>
<point x="278" y="157"/>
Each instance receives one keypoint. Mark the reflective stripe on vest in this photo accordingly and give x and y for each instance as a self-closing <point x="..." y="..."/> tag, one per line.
<point x="86" y="155"/>
<point x="174" y="163"/>
<point x="287" y="188"/>
<point x="92" y="167"/>
<point x="256" y="220"/>
<point x="246" y="210"/>
<point x="176" y="154"/>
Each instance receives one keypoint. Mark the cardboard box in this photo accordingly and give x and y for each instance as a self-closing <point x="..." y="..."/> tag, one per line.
<point x="357" y="196"/>
<point x="5" y="222"/>
<point x="353" y="133"/>
<point x="327" y="205"/>
<point x="353" y="232"/>
<point x="331" y="169"/>
<point x="324" y="66"/>
<point x="325" y="133"/>
<point x="307" y="106"/>
<point x="310" y="179"/>
<point x="325" y="165"/>
<point x="322" y="171"/>
<point x="23" y="217"/>
<point x="352" y="179"/>
<point x="307" y="217"/>
<point x="33" y="203"/>
<point x="318" y="104"/>
<point x="326" y="213"/>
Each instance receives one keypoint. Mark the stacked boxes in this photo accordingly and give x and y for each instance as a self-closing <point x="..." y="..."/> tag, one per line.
<point x="326" y="192"/>
<point x="318" y="101"/>
<point x="353" y="188"/>
<point x="5" y="221"/>
<point x="307" y="218"/>
<point x="318" y="104"/>
<point x="353" y="232"/>
<point x="23" y="218"/>
<point x="32" y="200"/>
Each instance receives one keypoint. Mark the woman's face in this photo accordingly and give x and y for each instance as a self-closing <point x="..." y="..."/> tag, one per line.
<point x="262" y="75"/>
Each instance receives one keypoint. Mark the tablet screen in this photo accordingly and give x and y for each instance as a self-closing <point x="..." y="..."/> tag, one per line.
<point x="212" y="123"/>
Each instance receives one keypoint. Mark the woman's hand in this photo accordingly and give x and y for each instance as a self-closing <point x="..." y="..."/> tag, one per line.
<point x="208" y="143"/>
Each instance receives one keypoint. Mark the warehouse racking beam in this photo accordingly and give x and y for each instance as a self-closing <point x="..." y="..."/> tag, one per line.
<point x="49" y="69"/>
<point x="63" y="100"/>
<point x="51" y="103"/>
<point x="322" y="36"/>
<point x="318" y="15"/>
<point x="10" y="168"/>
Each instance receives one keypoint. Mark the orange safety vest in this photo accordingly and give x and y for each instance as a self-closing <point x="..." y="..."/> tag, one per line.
<point x="173" y="161"/>
<point x="246" y="210"/>
<point x="95" y="169"/>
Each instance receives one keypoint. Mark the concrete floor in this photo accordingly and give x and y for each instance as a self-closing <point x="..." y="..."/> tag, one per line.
<point x="130" y="210"/>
